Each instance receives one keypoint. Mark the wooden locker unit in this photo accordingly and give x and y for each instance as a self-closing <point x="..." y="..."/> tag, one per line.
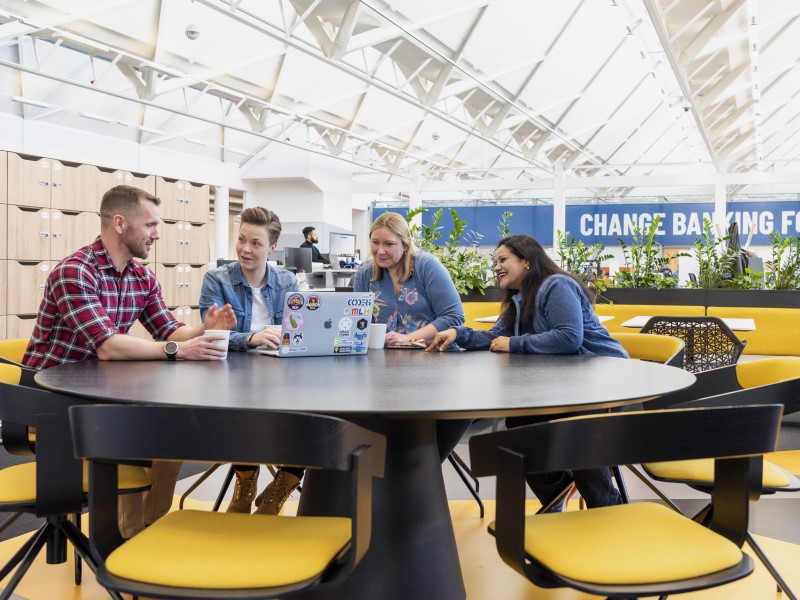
<point x="190" y="315"/>
<point x="195" y="243"/>
<point x="4" y="231"/>
<point x="3" y="331"/>
<point x="171" y="283"/>
<point x="71" y="231"/>
<point x="20" y="326"/>
<point x="4" y="293"/>
<point x="182" y="200"/>
<point x="193" y="282"/>
<point x="195" y="204"/>
<point x="28" y="233"/>
<point x="30" y="180"/>
<point x="29" y="280"/>
<point x="82" y="189"/>
<point x="3" y="177"/>
<point x="169" y="248"/>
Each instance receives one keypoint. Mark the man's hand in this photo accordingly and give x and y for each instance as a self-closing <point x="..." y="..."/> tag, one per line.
<point x="201" y="348"/>
<point x="220" y="318"/>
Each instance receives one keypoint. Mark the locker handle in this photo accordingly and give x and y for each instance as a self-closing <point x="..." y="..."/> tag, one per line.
<point x="44" y="182"/>
<point x="44" y="234"/>
<point x="58" y="234"/>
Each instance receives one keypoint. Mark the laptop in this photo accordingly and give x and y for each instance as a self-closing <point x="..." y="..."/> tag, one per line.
<point x="324" y="324"/>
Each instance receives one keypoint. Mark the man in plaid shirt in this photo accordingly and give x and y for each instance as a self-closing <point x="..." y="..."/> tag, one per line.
<point x="93" y="298"/>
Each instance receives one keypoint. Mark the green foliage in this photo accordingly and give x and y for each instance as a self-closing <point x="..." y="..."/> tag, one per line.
<point x="469" y="268"/>
<point x="784" y="265"/>
<point x="716" y="258"/>
<point x="644" y="261"/>
<point x="503" y="228"/>
<point x="749" y="280"/>
<point x="580" y="259"/>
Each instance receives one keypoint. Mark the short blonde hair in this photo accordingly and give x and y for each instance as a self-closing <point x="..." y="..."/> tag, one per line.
<point x="258" y="215"/>
<point x="398" y="226"/>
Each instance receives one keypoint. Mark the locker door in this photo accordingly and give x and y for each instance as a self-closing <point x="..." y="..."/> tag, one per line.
<point x="28" y="233"/>
<point x="83" y="189"/>
<point x="171" y="208"/>
<point x="196" y="203"/>
<point x="57" y="174"/>
<point x="196" y="250"/>
<point x="20" y="326"/>
<point x="30" y="279"/>
<point x="193" y="277"/>
<point x="4" y="293"/>
<point x="169" y="249"/>
<point x="71" y="230"/>
<point x="28" y="181"/>
<point x="4" y="230"/>
<point x="171" y="287"/>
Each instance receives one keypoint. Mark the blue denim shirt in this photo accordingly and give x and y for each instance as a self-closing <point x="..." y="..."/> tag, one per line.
<point x="227" y="285"/>
<point x="564" y="323"/>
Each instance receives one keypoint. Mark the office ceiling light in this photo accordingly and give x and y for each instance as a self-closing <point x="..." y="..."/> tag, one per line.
<point x="38" y="103"/>
<point x="152" y="130"/>
<point x="101" y="118"/>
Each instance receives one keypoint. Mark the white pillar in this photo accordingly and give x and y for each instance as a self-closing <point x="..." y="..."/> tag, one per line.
<point x="221" y="221"/>
<point x="559" y="202"/>
<point x="414" y="197"/>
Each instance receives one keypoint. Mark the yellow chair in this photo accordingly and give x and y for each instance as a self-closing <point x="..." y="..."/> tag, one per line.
<point x="772" y="380"/>
<point x="13" y="350"/>
<point x="654" y="348"/>
<point x="53" y="486"/>
<point x="193" y="554"/>
<point x="628" y="550"/>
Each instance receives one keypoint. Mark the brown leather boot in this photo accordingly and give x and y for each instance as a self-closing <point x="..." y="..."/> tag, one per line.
<point x="244" y="491"/>
<point x="271" y="500"/>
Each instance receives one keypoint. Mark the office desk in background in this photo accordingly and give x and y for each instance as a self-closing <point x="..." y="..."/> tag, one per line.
<point x="399" y="394"/>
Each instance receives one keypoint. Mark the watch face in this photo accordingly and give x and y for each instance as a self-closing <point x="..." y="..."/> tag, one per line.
<point x="171" y="347"/>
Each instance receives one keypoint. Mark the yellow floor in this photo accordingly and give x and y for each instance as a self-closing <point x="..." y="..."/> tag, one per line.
<point x="485" y="575"/>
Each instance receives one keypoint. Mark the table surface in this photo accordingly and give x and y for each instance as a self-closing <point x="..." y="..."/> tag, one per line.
<point x="384" y="382"/>
<point x="734" y="323"/>
<point x="400" y="394"/>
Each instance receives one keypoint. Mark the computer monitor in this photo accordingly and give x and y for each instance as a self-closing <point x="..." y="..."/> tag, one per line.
<point x="278" y="256"/>
<point x="299" y="259"/>
<point x="342" y="244"/>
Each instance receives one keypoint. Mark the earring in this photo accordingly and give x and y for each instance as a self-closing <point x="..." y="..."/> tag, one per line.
<point x="527" y="267"/>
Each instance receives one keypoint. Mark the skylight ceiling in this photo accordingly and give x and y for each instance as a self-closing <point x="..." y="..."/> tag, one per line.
<point x="447" y="89"/>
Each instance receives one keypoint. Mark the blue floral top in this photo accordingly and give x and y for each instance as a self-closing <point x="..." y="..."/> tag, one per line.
<point x="427" y="297"/>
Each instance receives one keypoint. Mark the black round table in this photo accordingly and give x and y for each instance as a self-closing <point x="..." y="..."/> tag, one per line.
<point x="399" y="393"/>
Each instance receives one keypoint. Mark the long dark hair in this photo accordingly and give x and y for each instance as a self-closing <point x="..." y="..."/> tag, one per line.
<point x="542" y="266"/>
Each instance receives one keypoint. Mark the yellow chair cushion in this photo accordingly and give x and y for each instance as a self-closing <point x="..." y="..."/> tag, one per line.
<point x="702" y="469"/>
<point x="645" y="346"/>
<point x="786" y="459"/>
<point x="18" y="482"/>
<point x="627" y="544"/>
<point x="769" y="370"/>
<point x="210" y="550"/>
<point x="14" y="349"/>
<point x="10" y="374"/>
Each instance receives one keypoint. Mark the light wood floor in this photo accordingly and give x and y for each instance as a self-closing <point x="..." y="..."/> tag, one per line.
<point x="486" y="576"/>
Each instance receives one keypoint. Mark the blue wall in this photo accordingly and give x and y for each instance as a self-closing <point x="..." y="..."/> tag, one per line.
<point x="680" y="225"/>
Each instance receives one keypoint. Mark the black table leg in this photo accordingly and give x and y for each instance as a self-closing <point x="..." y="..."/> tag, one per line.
<point x="412" y="552"/>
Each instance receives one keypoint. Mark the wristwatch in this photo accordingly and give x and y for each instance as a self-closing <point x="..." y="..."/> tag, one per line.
<point x="171" y="350"/>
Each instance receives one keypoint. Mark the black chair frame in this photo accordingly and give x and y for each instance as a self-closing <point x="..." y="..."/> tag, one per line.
<point x="638" y="437"/>
<point x="108" y="435"/>
<point x="59" y="495"/>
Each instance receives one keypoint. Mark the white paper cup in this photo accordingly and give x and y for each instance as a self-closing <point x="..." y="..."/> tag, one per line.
<point x="223" y="343"/>
<point x="377" y="336"/>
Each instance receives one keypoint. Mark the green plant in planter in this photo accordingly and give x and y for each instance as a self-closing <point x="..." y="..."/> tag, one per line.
<point x="785" y="263"/>
<point x="579" y="258"/>
<point x="469" y="268"/>
<point x="716" y="258"/>
<point x="643" y="259"/>
<point x="749" y="280"/>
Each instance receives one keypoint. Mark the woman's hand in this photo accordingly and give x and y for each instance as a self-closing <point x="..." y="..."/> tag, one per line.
<point x="220" y="318"/>
<point x="442" y="340"/>
<point x="501" y="344"/>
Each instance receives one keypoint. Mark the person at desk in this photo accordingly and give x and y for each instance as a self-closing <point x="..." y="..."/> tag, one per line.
<point x="256" y="291"/>
<point x="92" y="299"/>
<point x="310" y="234"/>
<point x="414" y="296"/>
<point x="546" y="310"/>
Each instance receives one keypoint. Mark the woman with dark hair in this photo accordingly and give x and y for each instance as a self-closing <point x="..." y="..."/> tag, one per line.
<point x="256" y="292"/>
<point x="545" y="310"/>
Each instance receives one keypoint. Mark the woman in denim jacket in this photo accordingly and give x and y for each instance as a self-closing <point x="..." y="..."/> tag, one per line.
<point x="545" y="310"/>
<point x="256" y="291"/>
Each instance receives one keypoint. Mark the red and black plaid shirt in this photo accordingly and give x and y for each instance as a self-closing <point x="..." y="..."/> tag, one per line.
<point x="87" y="300"/>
